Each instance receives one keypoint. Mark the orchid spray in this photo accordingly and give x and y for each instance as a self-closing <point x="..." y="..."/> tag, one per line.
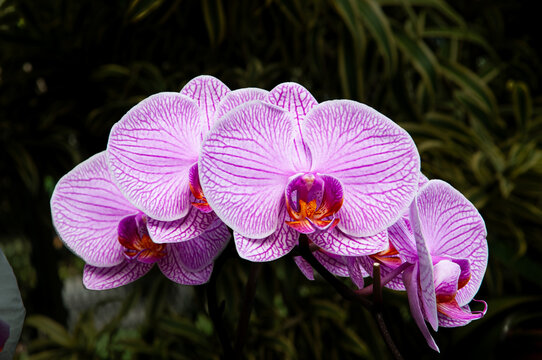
<point x="336" y="185"/>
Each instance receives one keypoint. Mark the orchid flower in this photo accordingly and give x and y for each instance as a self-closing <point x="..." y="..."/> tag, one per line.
<point x="444" y="238"/>
<point x="153" y="155"/>
<point x="338" y="171"/>
<point x="111" y="235"/>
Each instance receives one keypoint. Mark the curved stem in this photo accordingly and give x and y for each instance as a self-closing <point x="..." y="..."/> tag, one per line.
<point x="374" y="307"/>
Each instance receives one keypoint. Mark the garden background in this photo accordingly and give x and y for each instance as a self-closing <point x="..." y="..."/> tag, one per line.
<point x="463" y="77"/>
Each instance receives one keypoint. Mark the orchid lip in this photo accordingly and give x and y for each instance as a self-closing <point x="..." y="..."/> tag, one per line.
<point x="312" y="200"/>
<point x="196" y="190"/>
<point x="138" y="245"/>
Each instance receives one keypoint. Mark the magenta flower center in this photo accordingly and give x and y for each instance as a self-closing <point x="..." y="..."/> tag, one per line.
<point x="312" y="201"/>
<point x="137" y="243"/>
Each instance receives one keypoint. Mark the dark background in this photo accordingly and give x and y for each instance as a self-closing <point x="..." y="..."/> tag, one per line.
<point x="463" y="77"/>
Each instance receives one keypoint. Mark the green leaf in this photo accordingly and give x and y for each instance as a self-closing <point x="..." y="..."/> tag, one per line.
<point x="422" y="58"/>
<point x="438" y="5"/>
<point x="56" y="332"/>
<point x="215" y="20"/>
<point x="374" y="19"/>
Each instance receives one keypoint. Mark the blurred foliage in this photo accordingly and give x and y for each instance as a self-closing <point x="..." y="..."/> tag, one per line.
<point x="462" y="77"/>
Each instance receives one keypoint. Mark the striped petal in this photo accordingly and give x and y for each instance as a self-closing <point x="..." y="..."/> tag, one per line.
<point x="238" y="97"/>
<point x="375" y="160"/>
<point x="298" y="101"/>
<point x="207" y="91"/>
<point x="151" y="150"/>
<point x="244" y="167"/>
<point x="410" y="279"/>
<point x="453" y="228"/>
<point x="194" y="224"/>
<point x="339" y="243"/>
<point x="198" y="253"/>
<point x="86" y="208"/>
<point x="425" y="268"/>
<point x="270" y="248"/>
<point x="401" y="236"/>
<point x="173" y="268"/>
<point x="103" y="278"/>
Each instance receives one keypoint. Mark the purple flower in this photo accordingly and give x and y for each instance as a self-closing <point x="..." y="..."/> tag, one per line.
<point x="153" y="155"/>
<point x="444" y="237"/>
<point x="338" y="171"/>
<point x="101" y="226"/>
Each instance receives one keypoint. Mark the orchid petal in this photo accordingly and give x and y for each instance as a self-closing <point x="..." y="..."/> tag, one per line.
<point x="410" y="279"/>
<point x="186" y="228"/>
<point x="453" y="315"/>
<point x="298" y="101"/>
<point x="375" y="160"/>
<point x="272" y="247"/>
<point x="86" y="208"/>
<point x="195" y="254"/>
<point x="356" y="270"/>
<point x="446" y="274"/>
<point x="207" y="91"/>
<point x="151" y="150"/>
<point x="102" y="278"/>
<point x="339" y="243"/>
<point x="244" y="167"/>
<point x="335" y="264"/>
<point x="453" y="228"/>
<point x="428" y="296"/>
<point x="305" y="268"/>
<point x="173" y="268"/>
<point x="401" y="236"/>
<point x="238" y="97"/>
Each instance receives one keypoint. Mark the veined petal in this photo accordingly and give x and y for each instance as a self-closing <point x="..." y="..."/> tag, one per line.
<point x="103" y="278"/>
<point x="298" y="101"/>
<point x="335" y="264"/>
<point x="356" y="270"/>
<point x="455" y="315"/>
<point x="339" y="243"/>
<point x="426" y="273"/>
<point x="272" y="247"/>
<point x="173" y="268"/>
<point x="207" y="91"/>
<point x="238" y="97"/>
<point x="410" y="279"/>
<point x="151" y="150"/>
<point x="244" y="167"/>
<point x="446" y="277"/>
<point x="376" y="161"/>
<point x="87" y="207"/>
<point x="401" y="236"/>
<point x="305" y="268"/>
<point x="453" y="228"/>
<point x="198" y="253"/>
<point x="186" y="228"/>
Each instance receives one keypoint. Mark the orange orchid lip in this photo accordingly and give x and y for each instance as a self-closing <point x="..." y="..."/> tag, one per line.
<point x="312" y="200"/>
<point x="137" y="243"/>
<point x="389" y="257"/>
